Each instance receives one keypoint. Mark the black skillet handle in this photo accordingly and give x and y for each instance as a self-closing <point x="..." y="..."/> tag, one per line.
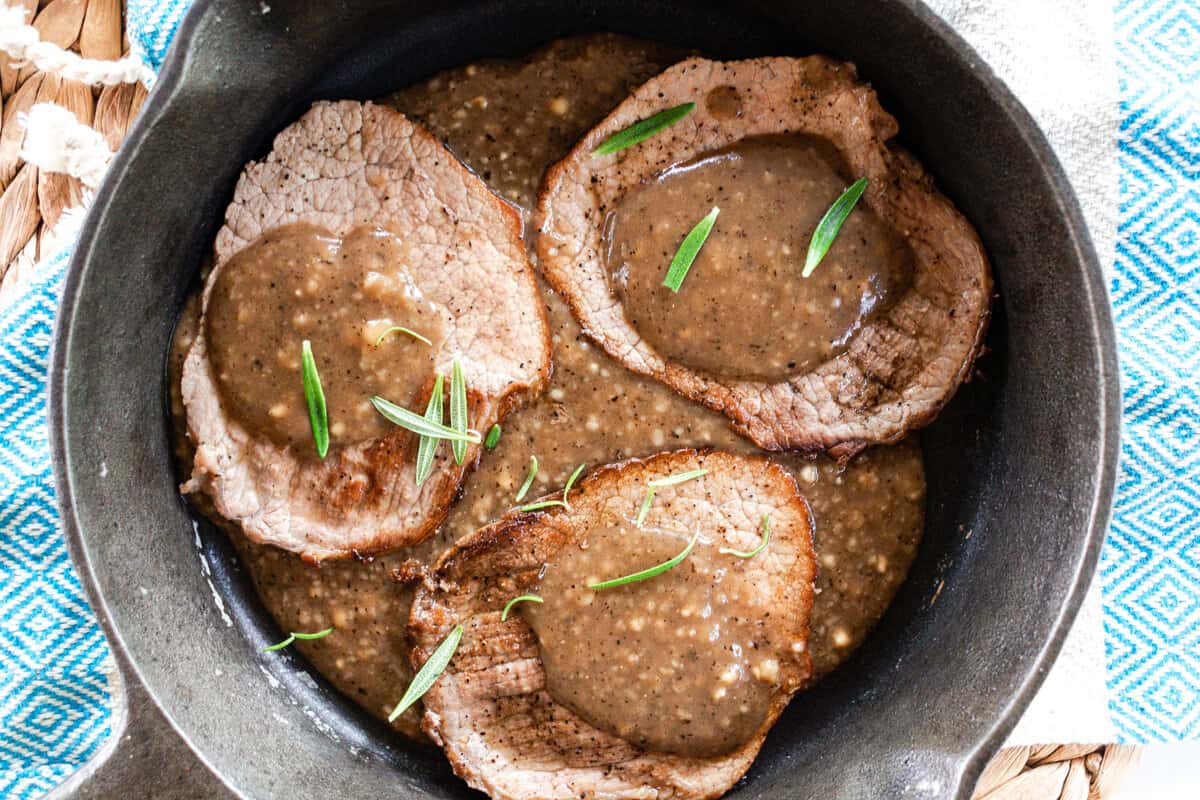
<point x="143" y="758"/>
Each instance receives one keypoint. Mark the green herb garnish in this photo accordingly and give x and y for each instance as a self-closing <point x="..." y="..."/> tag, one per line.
<point x="830" y="224"/>
<point x="416" y="423"/>
<point x="493" y="437"/>
<point x="314" y="395"/>
<point x="766" y="537"/>
<point x="678" y="478"/>
<point x="525" y="598"/>
<point x="651" y="572"/>
<point x="640" y="131"/>
<point x="427" y="445"/>
<point x="645" y="509"/>
<point x="294" y="636"/>
<point x="404" y="330"/>
<point x="430" y="671"/>
<point x="543" y="504"/>
<point x="458" y="409"/>
<point x="688" y="250"/>
<point x="571" y="482"/>
<point x="529" y="476"/>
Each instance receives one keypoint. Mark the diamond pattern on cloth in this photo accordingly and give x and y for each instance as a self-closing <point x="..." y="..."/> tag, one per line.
<point x="1150" y="569"/>
<point x="54" y="709"/>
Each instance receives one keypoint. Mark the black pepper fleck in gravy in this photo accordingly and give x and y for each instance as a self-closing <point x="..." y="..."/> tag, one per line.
<point x="509" y="120"/>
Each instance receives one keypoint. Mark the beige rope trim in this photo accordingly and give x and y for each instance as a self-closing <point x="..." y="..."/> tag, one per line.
<point x="24" y="45"/>
<point x="55" y="141"/>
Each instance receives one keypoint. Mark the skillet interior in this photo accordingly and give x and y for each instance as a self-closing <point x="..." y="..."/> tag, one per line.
<point x="1022" y="461"/>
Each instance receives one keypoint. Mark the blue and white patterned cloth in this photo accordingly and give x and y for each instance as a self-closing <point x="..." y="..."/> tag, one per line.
<point x="53" y="680"/>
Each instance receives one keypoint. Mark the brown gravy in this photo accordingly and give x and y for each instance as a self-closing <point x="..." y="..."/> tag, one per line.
<point x="744" y="311"/>
<point x="300" y="282"/>
<point x="508" y="120"/>
<point x="680" y="663"/>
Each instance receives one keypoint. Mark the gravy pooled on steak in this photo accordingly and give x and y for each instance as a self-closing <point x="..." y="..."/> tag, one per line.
<point x="339" y="168"/>
<point x="299" y="282"/>
<point x="900" y="364"/>
<point x="680" y="663"/>
<point x="520" y="726"/>
<point x="743" y="311"/>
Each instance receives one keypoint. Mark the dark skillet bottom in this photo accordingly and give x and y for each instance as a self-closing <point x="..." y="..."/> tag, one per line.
<point x="1020" y="466"/>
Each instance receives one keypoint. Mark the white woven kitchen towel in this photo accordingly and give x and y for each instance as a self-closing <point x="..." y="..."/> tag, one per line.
<point x="1058" y="57"/>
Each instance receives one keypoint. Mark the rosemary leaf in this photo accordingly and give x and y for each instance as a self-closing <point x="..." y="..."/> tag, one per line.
<point x="458" y="409"/>
<point x="543" y="504"/>
<point x="430" y="671"/>
<point x="291" y="638"/>
<point x="529" y="476"/>
<point x="678" y="478"/>
<point x="317" y="635"/>
<point x="314" y="395"/>
<point x="416" y="423"/>
<point x="650" y="572"/>
<point x="404" y="330"/>
<point x="493" y="437"/>
<point x="644" y="129"/>
<point x="762" y="545"/>
<point x="645" y="509"/>
<point x="830" y="224"/>
<point x="294" y="636"/>
<point x="525" y="598"/>
<point x="571" y="482"/>
<point x="689" y="248"/>
<point x="427" y="445"/>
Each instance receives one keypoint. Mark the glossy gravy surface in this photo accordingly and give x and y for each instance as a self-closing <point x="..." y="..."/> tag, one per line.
<point x="299" y="283"/>
<point x="744" y="311"/>
<point x="508" y="120"/>
<point x="684" y="662"/>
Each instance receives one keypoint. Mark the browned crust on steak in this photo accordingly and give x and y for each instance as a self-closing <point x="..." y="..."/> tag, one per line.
<point x="900" y="369"/>
<point x="340" y="166"/>
<point x="490" y="711"/>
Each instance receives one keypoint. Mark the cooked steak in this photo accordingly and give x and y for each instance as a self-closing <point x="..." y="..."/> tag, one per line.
<point x="898" y="365"/>
<point x="514" y="709"/>
<point x="359" y="176"/>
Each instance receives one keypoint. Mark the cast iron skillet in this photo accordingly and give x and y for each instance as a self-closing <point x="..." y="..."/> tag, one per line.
<point x="1020" y="466"/>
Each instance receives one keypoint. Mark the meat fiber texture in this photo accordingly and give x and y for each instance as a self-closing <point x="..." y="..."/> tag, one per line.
<point x="900" y="369"/>
<point x="340" y="166"/>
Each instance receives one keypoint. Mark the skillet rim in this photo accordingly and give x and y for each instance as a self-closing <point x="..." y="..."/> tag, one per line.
<point x="1101" y="325"/>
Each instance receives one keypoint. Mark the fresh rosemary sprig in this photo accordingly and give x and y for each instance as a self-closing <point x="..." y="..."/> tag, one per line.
<point x="430" y="671"/>
<point x="458" y="409"/>
<point x="762" y="545"/>
<point x="294" y="636"/>
<point x="830" y="224"/>
<point x="314" y="396"/>
<point x="427" y="445"/>
<point x="650" y="572"/>
<point x="493" y="437"/>
<point x="416" y="423"/>
<point x="678" y="478"/>
<point x="524" y="598"/>
<point x="571" y="482"/>
<point x="404" y="330"/>
<point x="645" y="508"/>
<point x="643" y="129"/>
<point x="529" y="476"/>
<point x="689" y="248"/>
